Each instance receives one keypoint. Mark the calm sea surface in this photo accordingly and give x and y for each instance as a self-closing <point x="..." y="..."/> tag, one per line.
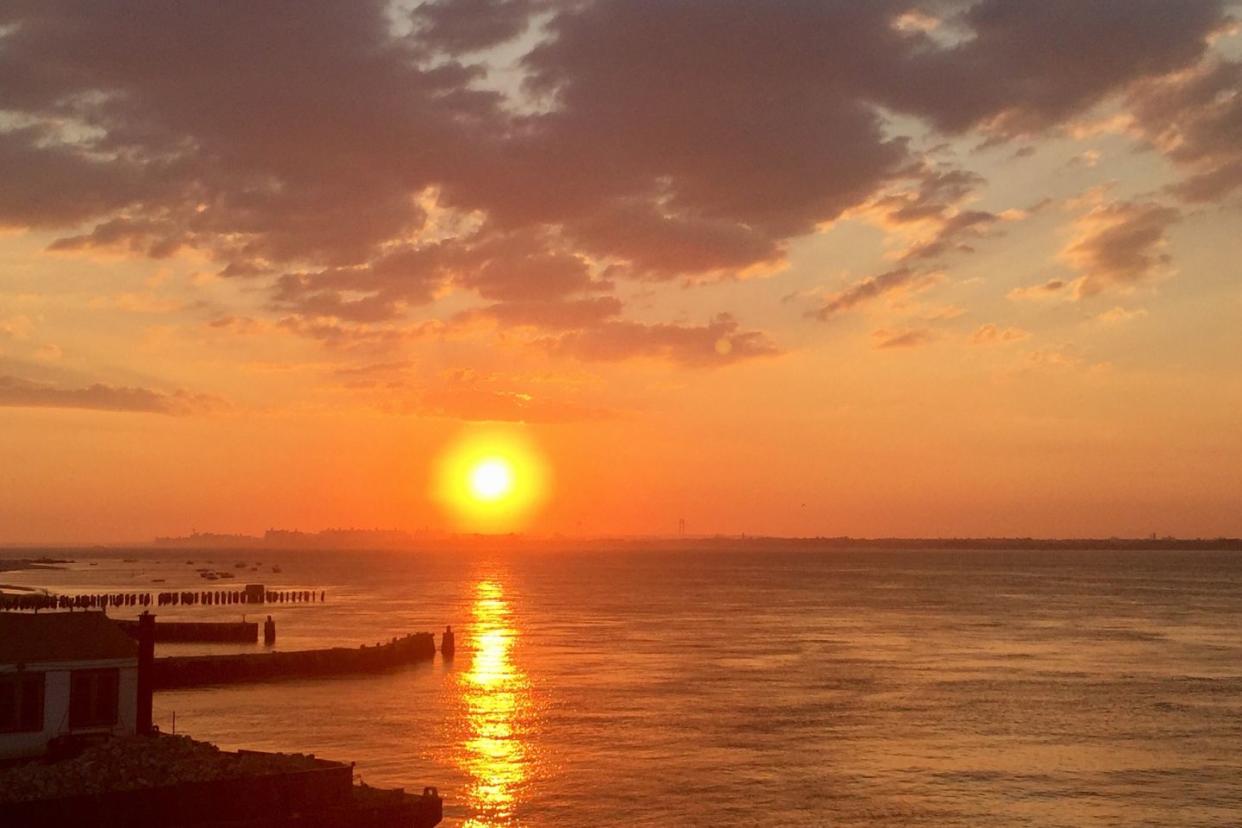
<point x="740" y="687"/>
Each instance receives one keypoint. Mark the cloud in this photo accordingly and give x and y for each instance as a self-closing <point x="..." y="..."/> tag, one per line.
<point x="237" y="324"/>
<point x="902" y="339"/>
<point x="359" y="161"/>
<point x="356" y="336"/>
<point x="932" y="219"/>
<point x="551" y="315"/>
<point x="20" y="393"/>
<point x="953" y="234"/>
<point x="461" y="395"/>
<point x="1060" y="359"/>
<point x="1020" y="68"/>
<point x="660" y="246"/>
<point x="48" y="185"/>
<point x="866" y="289"/>
<point x="1087" y="158"/>
<point x="992" y="334"/>
<point x="16" y="327"/>
<point x="372" y="370"/>
<point x="719" y="342"/>
<point x="1116" y="315"/>
<point x="1195" y="118"/>
<point x="933" y="213"/>
<point x="1119" y="245"/>
<point x="479" y="404"/>
<point x="155" y="239"/>
<point x="1051" y="289"/>
<point x="145" y="302"/>
<point x="458" y="26"/>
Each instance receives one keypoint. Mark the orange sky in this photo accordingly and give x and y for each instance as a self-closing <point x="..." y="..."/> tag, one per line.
<point x="942" y="268"/>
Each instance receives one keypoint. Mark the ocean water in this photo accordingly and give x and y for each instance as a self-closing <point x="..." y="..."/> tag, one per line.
<point x="733" y="686"/>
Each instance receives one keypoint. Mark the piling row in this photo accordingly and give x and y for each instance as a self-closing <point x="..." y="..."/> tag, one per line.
<point x="247" y="596"/>
<point x="39" y="601"/>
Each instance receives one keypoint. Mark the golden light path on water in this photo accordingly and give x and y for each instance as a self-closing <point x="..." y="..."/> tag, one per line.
<point x="496" y="696"/>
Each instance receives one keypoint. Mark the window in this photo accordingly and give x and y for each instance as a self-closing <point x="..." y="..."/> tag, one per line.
<point x="93" y="697"/>
<point x="21" y="702"/>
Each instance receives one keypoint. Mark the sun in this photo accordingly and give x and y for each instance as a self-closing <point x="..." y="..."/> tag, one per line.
<point x="491" y="480"/>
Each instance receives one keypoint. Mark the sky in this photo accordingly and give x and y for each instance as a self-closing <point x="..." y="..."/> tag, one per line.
<point x="936" y="268"/>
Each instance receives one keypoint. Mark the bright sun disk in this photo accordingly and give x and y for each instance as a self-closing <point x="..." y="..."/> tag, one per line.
<point x="491" y="479"/>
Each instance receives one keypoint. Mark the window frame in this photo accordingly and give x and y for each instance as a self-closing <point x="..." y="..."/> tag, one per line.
<point x="87" y="715"/>
<point x="29" y="702"/>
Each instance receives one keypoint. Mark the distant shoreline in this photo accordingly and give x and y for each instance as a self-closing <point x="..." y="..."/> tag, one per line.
<point x="23" y="564"/>
<point x="360" y="540"/>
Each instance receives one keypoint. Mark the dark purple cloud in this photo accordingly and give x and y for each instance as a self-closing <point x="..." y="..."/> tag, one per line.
<point x="298" y="143"/>
<point x="1195" y="118"/>
<point x="1025" y="66"/>
<point x="461" y="26"/>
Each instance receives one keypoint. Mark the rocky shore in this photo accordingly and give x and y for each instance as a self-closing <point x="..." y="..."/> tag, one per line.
<point x="136" y="762"/>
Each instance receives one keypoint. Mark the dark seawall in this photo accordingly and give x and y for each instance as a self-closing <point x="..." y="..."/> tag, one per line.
<point x="194" y="671"/>
<point x="181" y="631"/>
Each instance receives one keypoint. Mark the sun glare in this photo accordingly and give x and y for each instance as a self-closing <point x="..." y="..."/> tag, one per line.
<point x="491" y="482"/>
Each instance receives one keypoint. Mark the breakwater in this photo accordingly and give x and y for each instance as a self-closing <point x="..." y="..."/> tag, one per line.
<point x="245" y="632"/>
<point x="193" y="671"/>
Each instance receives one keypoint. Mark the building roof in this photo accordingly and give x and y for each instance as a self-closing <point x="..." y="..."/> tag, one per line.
<point x="61" y="636"/>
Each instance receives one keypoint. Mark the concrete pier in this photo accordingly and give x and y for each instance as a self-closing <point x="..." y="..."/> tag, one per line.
<point x="195" y="671"/>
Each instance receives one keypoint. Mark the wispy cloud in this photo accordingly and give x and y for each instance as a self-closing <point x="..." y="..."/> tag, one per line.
<point x="902" y="339"/>
<point x="1120" y="245"/>
<point x="1044" y="291"/>
<point x="20" y="393"/>
<point x="993" y="334"/>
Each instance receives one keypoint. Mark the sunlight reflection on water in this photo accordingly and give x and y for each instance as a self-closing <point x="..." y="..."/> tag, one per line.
<point x="495" y="694"/>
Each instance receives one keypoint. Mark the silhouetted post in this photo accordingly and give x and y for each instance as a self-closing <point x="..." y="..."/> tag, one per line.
<point x="269" y="631"/>
<point x="448" y="645"/>
<point x="146" y="665"/>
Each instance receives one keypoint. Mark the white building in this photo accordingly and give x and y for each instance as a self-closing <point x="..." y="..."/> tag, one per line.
<point x="64" y="673"/>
